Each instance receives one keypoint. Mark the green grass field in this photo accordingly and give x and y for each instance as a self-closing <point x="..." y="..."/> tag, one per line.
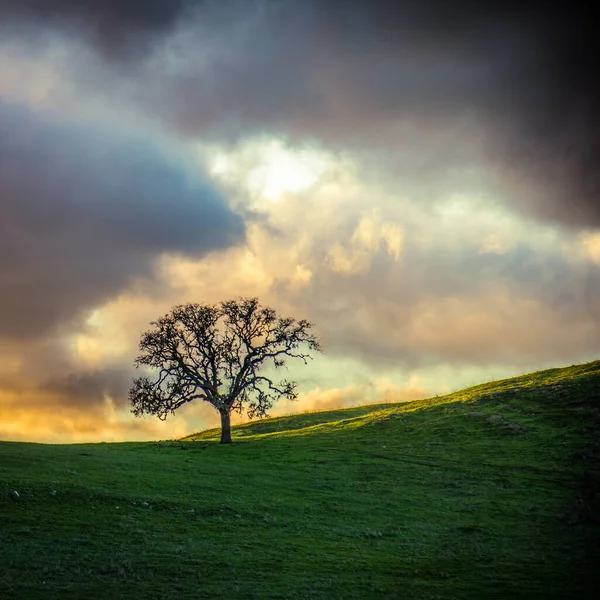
<point x="491" y="492"/>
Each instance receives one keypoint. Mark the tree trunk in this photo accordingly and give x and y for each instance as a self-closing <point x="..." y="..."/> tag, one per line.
<point x="225" y="427"/>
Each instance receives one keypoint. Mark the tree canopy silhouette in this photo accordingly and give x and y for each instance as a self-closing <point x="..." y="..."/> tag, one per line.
<point x="216" y="353"/>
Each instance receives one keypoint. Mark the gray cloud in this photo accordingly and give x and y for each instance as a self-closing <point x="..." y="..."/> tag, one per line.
<point x="90" y="386"/>
<point x="448" y="86"/>
<point x="470" y="288"/>
<point x="443" y="305"/>
<point x="117" y="28"/>
<point x="508" y="88"/>
<point x="84" y="213"/>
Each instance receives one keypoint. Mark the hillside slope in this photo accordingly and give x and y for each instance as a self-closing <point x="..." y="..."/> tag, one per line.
<point x="489" y="492"/>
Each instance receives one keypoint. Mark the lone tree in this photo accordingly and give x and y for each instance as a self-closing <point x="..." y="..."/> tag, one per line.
<point x="215" y="353"/>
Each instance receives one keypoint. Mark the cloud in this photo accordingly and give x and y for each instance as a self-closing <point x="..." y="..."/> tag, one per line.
<point x="502" y="92"/>
<point x="370" y="237"/>
<point x="85" y="213"/>
<point x="91" y="386"/>
<point x="495" y="95"/>
<point x="591" y="243"/>
<point x="374" y="392"/>
<point x="47" y="418"/>
<point x="434" y="297"/>
<point x="444" y="302"/>
<point x="117" y="28"/>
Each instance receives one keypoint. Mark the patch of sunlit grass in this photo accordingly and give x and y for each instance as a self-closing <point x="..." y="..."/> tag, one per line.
<point x="488" y="492"/>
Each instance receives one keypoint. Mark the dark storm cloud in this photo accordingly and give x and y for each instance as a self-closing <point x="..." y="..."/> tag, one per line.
<point x="511" y="87"/>
<point x="84" y="214"/>
<point x="91" y="386"/>
<point x="115" y="26"/>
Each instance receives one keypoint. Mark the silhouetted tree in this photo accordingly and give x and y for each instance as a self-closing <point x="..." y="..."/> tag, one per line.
<point x="215" y="353"/>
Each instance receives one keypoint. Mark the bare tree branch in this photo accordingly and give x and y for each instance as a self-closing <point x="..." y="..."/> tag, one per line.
<point x="215" y="353"/>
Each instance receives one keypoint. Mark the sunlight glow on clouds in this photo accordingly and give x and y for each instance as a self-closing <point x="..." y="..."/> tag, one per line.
<point x="591" y="243"/>
<point x="52" y="423"/>
<point x="370" y="236"/>
<point x="379" y="391"/>
<point x="109" y="333"/>
<point x="269" y="167"/>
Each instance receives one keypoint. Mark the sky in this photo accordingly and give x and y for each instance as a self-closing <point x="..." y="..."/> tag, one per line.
<point x="418" y="178"/>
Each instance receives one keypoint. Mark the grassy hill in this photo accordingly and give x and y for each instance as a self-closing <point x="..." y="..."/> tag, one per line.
<point x="491" y="492"/>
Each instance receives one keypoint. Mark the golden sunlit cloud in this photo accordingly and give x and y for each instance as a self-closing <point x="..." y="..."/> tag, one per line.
<point x="371" y="235"/>
<point x="378" y="391"/>
<point x="591" y="243"/>
<point x="50" y="420"/>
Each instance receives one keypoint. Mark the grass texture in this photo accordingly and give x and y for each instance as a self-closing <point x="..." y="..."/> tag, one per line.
<point x="491" y="492"/>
